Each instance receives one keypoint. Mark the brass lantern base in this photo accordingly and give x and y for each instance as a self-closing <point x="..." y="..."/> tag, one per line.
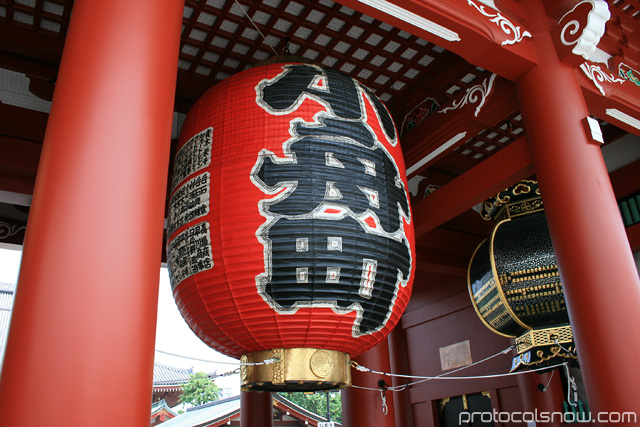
<point x="295" y="369"/>
<point x="544" y="347"/>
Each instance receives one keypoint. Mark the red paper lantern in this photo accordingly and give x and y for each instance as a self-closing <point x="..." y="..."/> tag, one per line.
<point x="289" y="220"/>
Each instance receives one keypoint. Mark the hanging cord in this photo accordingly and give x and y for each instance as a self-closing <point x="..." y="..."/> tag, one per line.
<point x="446" y="376"/>
<point x="383" y="389"/>
<point x="255" y="26"/>
<point x="424" y="378"/>
<point x="264" y="362"/>
<point x="210" y="376"/>
<point x="568" y="351"/>
<point x="441" y="377"/>
<point x="544" y="388"/>
<point x="572" y="387"/>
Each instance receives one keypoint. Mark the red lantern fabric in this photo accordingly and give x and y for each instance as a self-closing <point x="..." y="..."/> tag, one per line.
<point x="289" y="220"/>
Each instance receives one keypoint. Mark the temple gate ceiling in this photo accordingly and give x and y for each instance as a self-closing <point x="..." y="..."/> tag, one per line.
<point x="444" y="70"/>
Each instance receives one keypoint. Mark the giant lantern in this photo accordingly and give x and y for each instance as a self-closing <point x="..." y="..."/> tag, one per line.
<point x="514" y="281"/>
<point x="290" y="236"/>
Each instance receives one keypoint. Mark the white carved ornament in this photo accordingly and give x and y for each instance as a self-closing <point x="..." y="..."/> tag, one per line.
<point x="474" y="94"/>
<point x="505" y="25"/>
<point x="595" y="73"/>
<point x="589" y="35"/>
<point x="8" y="230"/>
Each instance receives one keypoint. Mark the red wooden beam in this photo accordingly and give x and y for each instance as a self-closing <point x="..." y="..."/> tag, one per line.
<point x="18" y="164"/>
<point x="434" y="263"/>
<point x="610" y="97"/>
<point x="633" y="234"/>
<point x="32" y="44"/>
<point x="626" y="181"/>
<point x="450" y="126"/>
<point x="499" y="171"/>
<point x="22" y="123"/>
<point x="461" y="27"/>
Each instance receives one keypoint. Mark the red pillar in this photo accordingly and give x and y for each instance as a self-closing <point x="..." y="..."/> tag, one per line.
<point x="400" y="364"/>
<point x="83" y="327"/>
<point x="535" y="400"/>
<point x="363" y="408"/>
<point x="596" y="266"/>
<point x="256" y="409"/>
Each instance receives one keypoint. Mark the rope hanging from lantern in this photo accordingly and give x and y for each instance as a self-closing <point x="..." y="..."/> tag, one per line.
<point x="424" y="378"/>
<point x="572" y="388"/>
<point x="568" y="351"/>
<point x="264" y="362"/>
<point x="544" y="388"/>
<point x="442" y="377"/>
<point x="446" y="376"/>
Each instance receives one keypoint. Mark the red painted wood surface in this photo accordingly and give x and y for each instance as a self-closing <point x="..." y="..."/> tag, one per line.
<point x="255" y="409"/>
<point x="84" y="316"/>
<point x="599" y="276"/>
<point x="364" y="408"/>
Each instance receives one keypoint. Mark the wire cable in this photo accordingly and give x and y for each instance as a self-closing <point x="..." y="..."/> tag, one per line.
<point x="264" y="362"/>
<point x="425" y="378"/>
<point x="440" y="377"/>
<point x="256" y="27"/>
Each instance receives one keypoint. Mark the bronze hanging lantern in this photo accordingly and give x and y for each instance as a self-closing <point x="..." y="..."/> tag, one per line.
<point x="514" y="282"/>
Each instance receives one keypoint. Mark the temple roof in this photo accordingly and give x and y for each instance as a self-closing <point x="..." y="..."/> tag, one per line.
<point x="225" y="409"/>
<point x="160" y="405"/>
<point x="164" y="375"/>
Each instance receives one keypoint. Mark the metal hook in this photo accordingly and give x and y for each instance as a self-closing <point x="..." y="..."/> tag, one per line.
<point x="286" y="46"/>
<point x="383" y="388"/>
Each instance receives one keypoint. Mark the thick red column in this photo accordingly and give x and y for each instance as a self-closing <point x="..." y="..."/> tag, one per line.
<point x="596" y="266"/>
<point x="83" y="328"/>
<point x="256" y="409"/>
<point x="363" y="408"/>
<point x="549" y="399"/>
<point x="400" y="365"/>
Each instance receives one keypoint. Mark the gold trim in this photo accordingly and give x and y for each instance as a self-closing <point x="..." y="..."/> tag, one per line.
<point x="535" y="205"/>
<point x="465" y="402"/>
<point x="544" y="337"/>
<point x="555" y="352"/>
<point x="441" y="404"/>
<point x="243" y="367"/>
<point x="494" y="270"/>
<point x="502" y="206"/>
<point x="486" y="394"/>
<point x="473" y="300"/>
<point x="296" y="369"/>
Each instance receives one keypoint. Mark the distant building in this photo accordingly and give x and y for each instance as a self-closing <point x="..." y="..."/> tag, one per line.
<point x="167" y="383"/>
<point x="227" y="412"/>
<point x="160" y="413"/>
<point x="7" y="291"/>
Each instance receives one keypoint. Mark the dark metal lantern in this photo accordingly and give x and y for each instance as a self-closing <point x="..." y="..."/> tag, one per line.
<point x="514" y="282"/>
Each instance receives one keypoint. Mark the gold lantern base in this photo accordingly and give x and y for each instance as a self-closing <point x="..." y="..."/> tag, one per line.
<point x="295" y="369"/>
<point x="544" y="347"/>
<point x="562" y="335"/>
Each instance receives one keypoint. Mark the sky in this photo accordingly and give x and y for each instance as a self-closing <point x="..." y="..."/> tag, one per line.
<point x="173" y="335"/>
